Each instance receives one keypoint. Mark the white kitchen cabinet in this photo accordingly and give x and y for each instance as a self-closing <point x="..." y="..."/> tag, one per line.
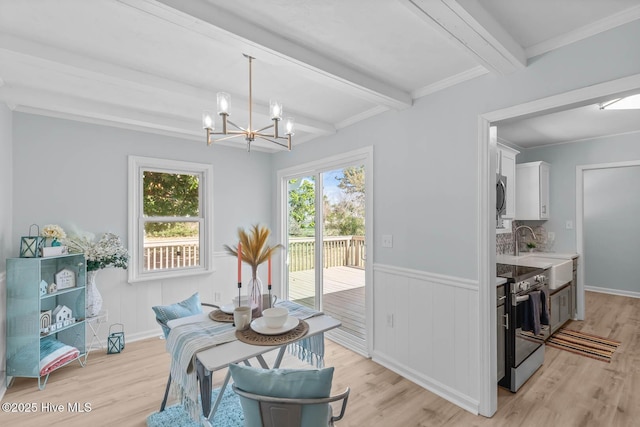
<point x="532" y="191"/>
<point x="507" y="160"/>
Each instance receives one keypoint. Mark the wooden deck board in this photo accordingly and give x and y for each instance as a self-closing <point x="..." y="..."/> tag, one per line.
<point x="343" y="296"/>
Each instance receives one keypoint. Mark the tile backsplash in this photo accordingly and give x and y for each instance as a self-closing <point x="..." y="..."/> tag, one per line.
<point x="504" y="242"/>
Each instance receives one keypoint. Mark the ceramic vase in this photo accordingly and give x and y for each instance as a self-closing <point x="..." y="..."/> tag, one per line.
<point x="94" y="299"/>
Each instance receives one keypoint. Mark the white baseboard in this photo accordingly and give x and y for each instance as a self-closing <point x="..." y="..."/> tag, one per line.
<point x="153" y="333"/>
<point x="610" y="291"/>
<point x="465" y="402"/>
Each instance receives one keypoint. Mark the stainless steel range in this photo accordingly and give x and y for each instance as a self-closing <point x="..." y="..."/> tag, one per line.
<point x="526" y="322"/>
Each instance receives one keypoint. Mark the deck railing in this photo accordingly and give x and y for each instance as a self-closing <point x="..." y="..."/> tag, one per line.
<point x="338" y="251"/>
<point x="172" y="253"/>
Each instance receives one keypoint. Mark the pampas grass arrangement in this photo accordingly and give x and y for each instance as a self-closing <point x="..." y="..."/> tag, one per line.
<point x="255" y="249"/>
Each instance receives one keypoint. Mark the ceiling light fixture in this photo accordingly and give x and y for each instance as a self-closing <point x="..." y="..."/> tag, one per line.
<point x="629" y="103"/>
<point x="250" y="134"/>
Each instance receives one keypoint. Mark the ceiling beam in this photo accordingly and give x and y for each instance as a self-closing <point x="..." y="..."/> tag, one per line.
<point x="18" y="51"/>
<point x="474" y="30"/>
<point x="236" y="31"/>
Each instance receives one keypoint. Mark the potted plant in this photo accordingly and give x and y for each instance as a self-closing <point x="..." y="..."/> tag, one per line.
<point x="531" y="246"/>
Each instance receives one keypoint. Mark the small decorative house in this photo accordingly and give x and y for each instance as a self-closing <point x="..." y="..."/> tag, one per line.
<point x="43" y="288"/>
<point x="45" y="320"/>
<point x="61" y="313"/>
<point x="65" y="279"/>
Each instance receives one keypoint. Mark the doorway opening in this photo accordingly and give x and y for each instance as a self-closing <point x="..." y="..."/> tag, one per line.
<point x="487" y="163"/>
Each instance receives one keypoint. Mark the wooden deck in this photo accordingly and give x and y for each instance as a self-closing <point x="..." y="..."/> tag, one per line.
<point x="343" y="296"/>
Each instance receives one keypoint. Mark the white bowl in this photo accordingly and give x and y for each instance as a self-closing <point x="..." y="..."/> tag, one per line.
<point x="275" y="317"/>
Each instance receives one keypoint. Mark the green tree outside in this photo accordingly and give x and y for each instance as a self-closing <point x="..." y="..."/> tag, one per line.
<point x="171" y="195"/>
<point x="344" y="217"/>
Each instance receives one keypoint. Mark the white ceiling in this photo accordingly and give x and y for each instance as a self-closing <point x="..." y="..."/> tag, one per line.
<point x="156" y="65"/>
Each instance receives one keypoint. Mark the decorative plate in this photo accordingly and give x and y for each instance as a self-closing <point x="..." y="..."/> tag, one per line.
<point x="261" y="327"/>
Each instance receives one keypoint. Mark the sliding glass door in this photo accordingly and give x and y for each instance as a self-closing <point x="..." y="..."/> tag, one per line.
<point x="326" y="249"/>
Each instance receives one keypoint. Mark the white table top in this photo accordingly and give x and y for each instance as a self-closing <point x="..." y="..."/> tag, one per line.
<point x="221" y="356"/>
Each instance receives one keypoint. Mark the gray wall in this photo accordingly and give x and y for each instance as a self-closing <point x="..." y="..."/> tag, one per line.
<point x="7" y="242"/>
<point x="612" y="229"/>
<point x="77" y="177"/>
<point x="563" y="159"/>
<point x="425" y="157"/>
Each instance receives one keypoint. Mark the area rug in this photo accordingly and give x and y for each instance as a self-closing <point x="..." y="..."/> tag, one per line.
<point x="229" y="413"/>
<point x="592" y="346"/>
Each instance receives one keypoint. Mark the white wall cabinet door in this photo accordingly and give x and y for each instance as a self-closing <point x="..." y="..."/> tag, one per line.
<point x="532" y="192"/>
<point x="507" y="157"/>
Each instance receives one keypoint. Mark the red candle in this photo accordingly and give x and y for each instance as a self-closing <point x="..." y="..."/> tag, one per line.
<point x="239" y="262"/>
<point x="269" y="276"/>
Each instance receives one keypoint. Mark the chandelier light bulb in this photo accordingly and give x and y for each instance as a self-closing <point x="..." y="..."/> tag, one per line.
<point x="207" y="120"/>
<point x="223" y="103"/>
<point x="275" y="107"/>
<point x="289" y="126"/>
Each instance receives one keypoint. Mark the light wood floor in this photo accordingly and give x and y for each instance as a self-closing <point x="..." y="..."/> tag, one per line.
<point x="569" y="390"/>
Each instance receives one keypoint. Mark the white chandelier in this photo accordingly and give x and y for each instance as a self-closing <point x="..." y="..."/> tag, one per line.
<point x="249" y="133"/>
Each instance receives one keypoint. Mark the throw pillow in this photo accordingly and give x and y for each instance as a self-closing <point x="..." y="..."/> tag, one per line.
<point x="290" y="383"/>
<point x="185" y="308"/>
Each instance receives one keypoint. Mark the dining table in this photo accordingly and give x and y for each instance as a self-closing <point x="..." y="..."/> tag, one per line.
<point x="230" y="349"/>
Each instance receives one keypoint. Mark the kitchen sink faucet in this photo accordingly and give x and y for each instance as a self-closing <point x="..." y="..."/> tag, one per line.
<point x="516" y="249"/>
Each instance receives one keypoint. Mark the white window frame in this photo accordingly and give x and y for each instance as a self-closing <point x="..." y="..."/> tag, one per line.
<point x="137" y="165"/>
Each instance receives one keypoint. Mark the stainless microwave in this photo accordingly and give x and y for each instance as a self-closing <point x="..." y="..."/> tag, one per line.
<point x="501" y="199"/>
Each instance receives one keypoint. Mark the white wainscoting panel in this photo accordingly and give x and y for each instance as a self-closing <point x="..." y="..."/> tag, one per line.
<point x="219" y="287"/>
<point x="426" y="329"/>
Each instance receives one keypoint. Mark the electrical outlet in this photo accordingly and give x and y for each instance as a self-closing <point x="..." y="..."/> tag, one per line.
<point x="387" y="241"/>
<point x="216" y="296"/>
<point x="390" y="320"/>
<point x="551" y="235"/>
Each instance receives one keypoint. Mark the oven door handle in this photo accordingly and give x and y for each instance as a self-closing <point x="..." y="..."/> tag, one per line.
<point x="517" y="299"/>
<point x="506" y="321"/>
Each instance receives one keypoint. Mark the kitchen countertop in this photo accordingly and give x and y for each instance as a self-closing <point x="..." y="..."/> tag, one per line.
<point x="500" y="281"/>
<point x="528" y="259"/>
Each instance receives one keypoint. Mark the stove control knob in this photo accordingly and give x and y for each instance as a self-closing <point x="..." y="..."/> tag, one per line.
<point x="540" y="278"/>
<point x="524" y="285"/>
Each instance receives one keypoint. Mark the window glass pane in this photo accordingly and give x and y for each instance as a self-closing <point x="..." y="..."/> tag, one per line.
<point x="170" y="245"/>
<point x="170" y="194"/>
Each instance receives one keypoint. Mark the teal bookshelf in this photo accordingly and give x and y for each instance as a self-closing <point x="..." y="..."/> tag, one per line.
<point x="26" y="331"/>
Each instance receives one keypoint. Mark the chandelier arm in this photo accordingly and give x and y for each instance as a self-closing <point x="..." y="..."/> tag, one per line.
<point x="235" y="135"/>
<point x="269" y="136"/>
<point x="271" y="140"/>
<point x="264" y="128"/>
<point x="236" y="126"/>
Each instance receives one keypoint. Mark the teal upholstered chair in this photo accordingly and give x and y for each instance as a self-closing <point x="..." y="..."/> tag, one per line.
<point x="165" y="313"/>
<point x="287" y="397"/>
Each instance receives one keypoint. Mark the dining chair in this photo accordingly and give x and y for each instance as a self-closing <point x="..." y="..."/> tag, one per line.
<point x="164" y="314"/>
<point x="284" y="412"/>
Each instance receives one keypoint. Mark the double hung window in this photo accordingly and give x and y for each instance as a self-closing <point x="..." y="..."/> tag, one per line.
<point x="170" y="218"/>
